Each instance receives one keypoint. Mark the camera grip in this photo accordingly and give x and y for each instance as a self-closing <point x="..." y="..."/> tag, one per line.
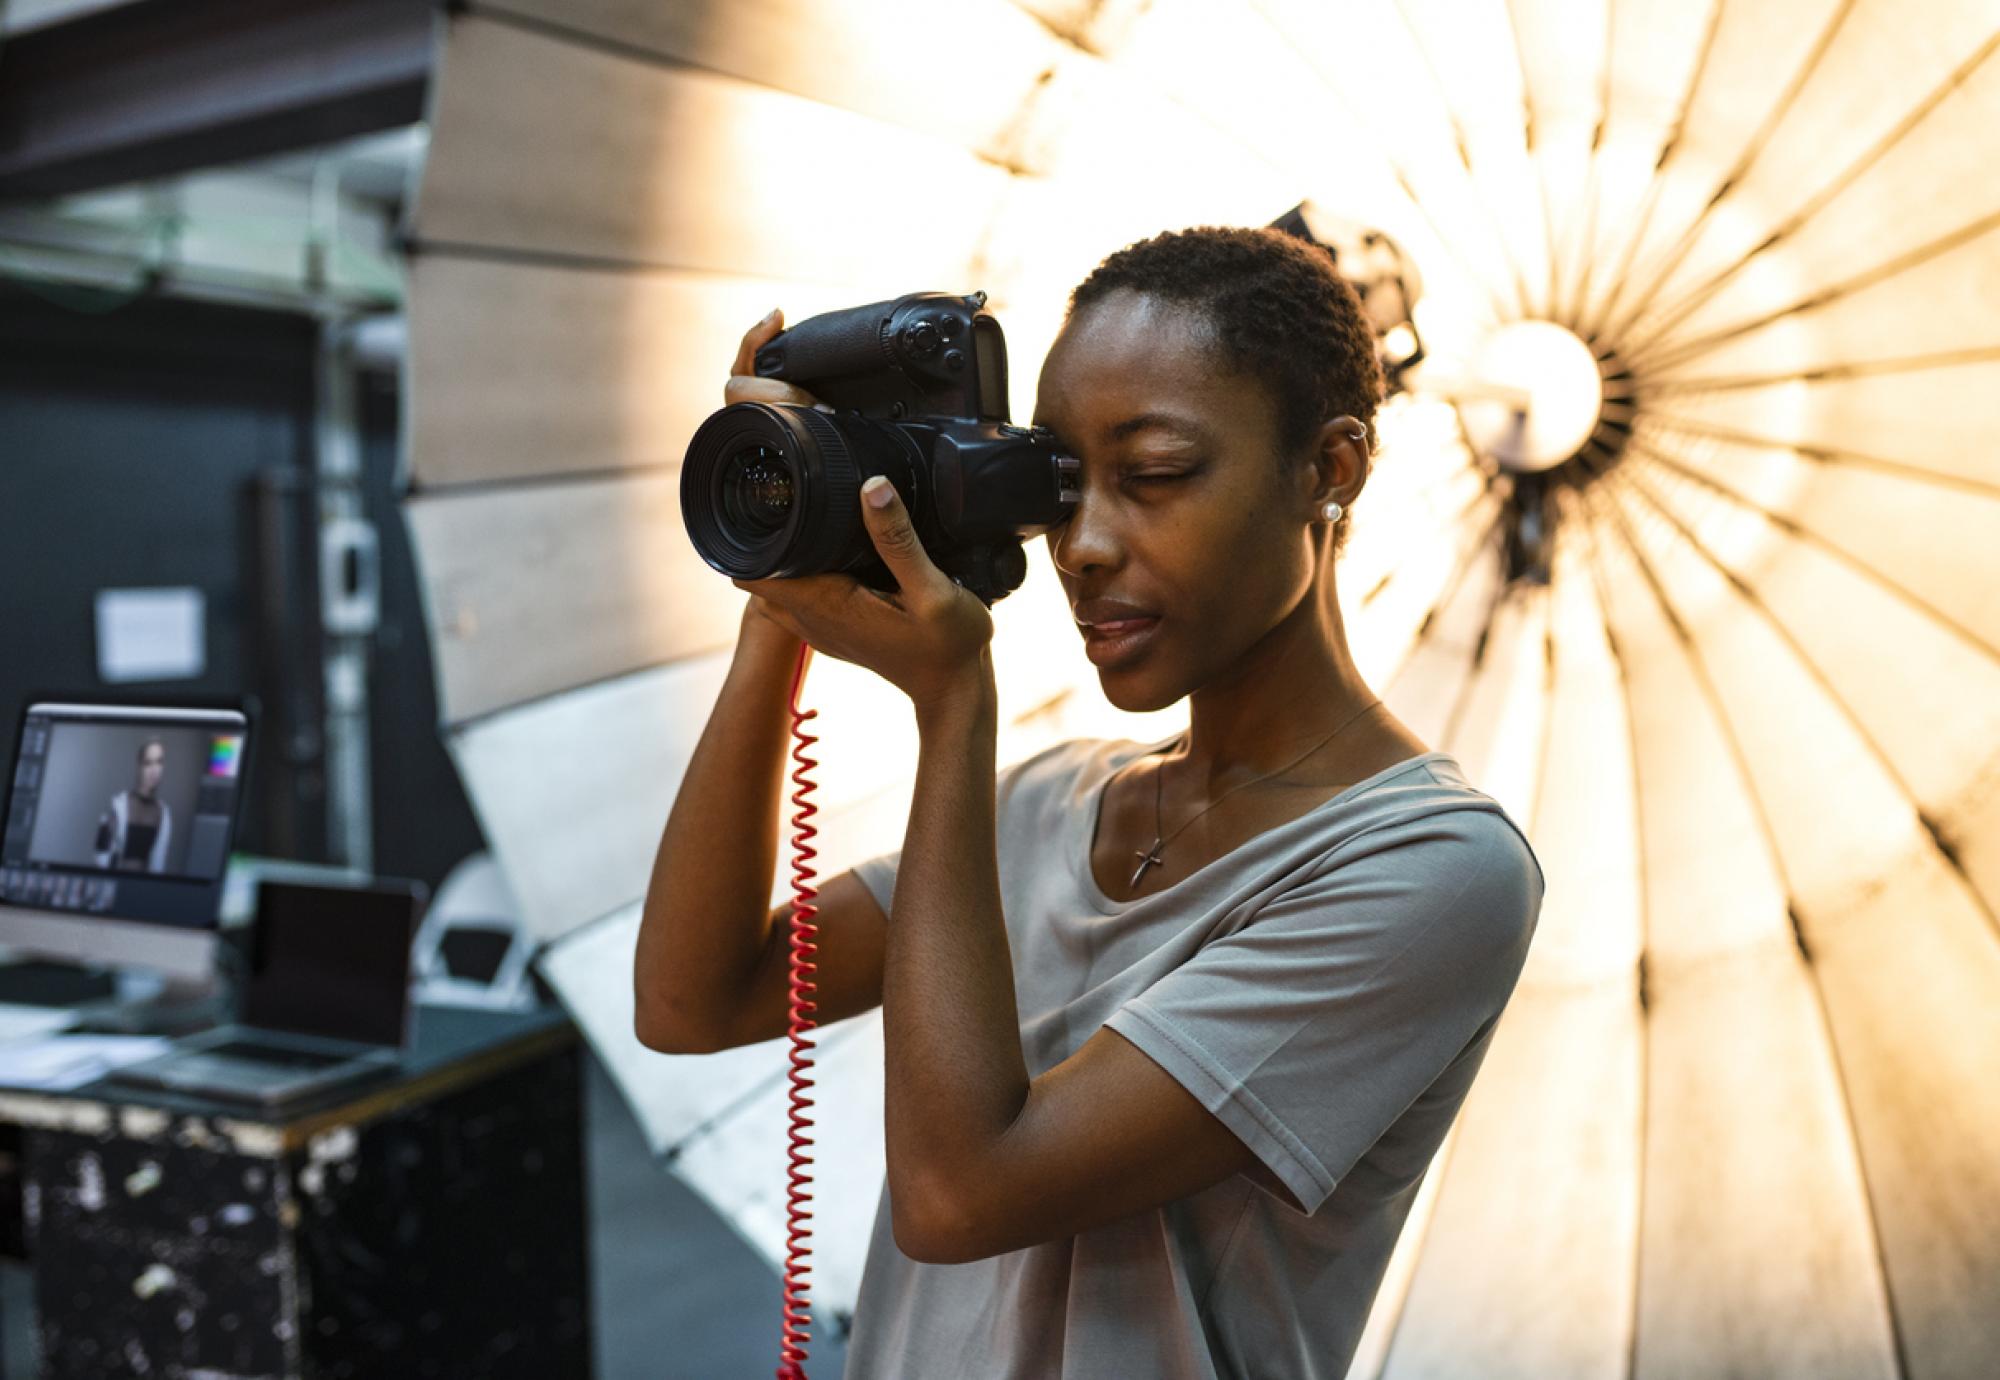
<point x="830" y="345"/>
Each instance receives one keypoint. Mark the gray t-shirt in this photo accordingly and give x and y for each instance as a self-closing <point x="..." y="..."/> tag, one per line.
<point x="1328" y="990"/>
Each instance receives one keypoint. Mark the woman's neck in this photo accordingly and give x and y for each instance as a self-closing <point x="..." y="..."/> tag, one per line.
<point x="1292" y="688"/>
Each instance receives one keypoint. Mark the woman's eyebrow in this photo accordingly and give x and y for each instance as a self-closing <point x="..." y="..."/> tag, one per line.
<point x="1144" y="421"/>
<point x="1164" y="421"/>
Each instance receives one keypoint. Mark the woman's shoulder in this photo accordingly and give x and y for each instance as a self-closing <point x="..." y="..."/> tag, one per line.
<point x="1060" y="760"/>
<point x="1072" y="758"/>
<point x="1054" y="781"/>
<point x="1433" y="798"/>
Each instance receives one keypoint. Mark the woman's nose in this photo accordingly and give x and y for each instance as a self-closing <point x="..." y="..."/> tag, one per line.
<point x="1087" y="540"/>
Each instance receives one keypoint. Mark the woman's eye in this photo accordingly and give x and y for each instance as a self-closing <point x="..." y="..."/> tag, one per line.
<point x="1163" y="478"/>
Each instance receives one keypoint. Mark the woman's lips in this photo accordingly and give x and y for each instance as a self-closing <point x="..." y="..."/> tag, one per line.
<point x="1113" y="643"/>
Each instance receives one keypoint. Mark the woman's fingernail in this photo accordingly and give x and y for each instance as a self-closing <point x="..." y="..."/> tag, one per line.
<point x="878" y="491"/>
<point x="821" y="407"/>
<point x="769" y="316"/>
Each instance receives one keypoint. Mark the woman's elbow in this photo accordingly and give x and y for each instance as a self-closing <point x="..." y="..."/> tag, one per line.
<point x="662" y="1031"/>
<point x="930" y="1229"/>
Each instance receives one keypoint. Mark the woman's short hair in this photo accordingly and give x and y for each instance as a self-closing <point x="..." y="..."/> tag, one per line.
<point x="1275" y="308"/>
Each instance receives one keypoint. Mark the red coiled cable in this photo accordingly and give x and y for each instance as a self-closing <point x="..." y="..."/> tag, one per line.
<point x="798" y="1312"/>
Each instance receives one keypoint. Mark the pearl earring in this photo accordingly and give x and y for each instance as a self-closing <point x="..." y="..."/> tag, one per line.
<point x="1331" y="511"/>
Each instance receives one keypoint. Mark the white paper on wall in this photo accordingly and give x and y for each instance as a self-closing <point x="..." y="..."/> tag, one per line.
<point x="150" y="634"/>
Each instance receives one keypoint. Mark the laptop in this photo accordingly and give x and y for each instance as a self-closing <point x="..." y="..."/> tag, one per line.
<point x="326" y="1001"/>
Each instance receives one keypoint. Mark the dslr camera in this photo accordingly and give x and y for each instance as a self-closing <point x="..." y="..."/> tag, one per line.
<point x="918" y="392"/>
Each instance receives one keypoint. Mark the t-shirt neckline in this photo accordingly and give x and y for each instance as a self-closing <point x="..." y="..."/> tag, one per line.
<point x="1094" y="802"/>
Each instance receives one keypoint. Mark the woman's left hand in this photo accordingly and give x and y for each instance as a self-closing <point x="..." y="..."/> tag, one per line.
<point x="928" y="639"/>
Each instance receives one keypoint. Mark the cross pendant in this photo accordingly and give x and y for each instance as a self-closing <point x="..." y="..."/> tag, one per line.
<point x="1147" y="857"/>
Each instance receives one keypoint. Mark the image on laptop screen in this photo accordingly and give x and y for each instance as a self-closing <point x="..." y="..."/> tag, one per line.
<point x="123" y="811"/>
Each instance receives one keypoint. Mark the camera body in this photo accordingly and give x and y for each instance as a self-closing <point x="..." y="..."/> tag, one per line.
<point x="917" y="388"/>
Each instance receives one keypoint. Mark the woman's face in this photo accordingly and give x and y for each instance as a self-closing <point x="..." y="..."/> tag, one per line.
<point x="152" y="766"/>
<point x="1184" y="512"/>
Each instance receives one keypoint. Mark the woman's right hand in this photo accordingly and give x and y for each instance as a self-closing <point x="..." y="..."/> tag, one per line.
<point x="744" y="385"/>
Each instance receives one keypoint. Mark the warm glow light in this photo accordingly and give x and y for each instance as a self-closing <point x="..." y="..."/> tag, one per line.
<point x="1555" y="373"/>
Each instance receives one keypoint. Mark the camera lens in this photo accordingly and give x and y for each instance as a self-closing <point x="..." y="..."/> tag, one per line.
<point x="771" y="490"/>
<point x="757" y="490"/>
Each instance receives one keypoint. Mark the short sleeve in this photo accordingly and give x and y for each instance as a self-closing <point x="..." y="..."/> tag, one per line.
<point x="878" y="874"/>
<point x="1312" y="1027"/>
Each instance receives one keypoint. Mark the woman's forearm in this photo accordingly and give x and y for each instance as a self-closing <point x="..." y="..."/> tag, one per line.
<point x="954" y="1073"/>
<point x="708" y="905"/>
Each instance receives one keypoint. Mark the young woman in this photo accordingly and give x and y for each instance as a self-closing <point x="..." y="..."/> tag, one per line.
<point x="136" y="827"/>
<point x="1172" y="1030"/>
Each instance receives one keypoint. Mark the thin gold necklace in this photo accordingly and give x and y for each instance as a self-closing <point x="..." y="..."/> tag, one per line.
<point x="1149" y="856"/>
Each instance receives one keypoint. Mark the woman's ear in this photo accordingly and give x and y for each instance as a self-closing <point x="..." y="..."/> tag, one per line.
<point x="1340" y="460"/>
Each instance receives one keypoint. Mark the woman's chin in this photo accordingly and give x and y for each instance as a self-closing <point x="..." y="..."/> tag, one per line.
<point x="1132" y="693"/>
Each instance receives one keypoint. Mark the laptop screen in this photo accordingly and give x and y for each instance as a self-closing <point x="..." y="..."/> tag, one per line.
<point x="123" y="811"/>
<point x="333" y="960"/>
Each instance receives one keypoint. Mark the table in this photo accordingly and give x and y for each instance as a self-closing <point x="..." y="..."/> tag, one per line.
<point x="429" y="1223"/>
